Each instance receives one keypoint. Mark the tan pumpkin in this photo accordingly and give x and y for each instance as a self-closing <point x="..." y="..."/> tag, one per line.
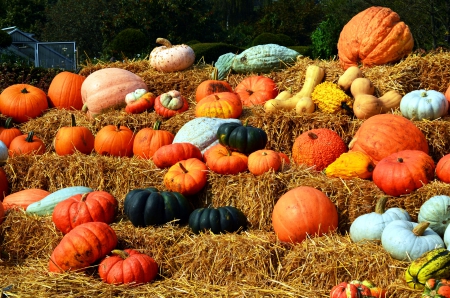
<point x="366" y="105"/>
<point x="350" y="74"/>
<point x="362" y="86"/>
<point x="350" y="165"/>
<point x="170" y="58"/>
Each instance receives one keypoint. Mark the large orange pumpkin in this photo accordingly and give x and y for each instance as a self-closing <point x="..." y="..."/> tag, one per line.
<point x="23" y="102"/>
<point x="23" y="198"/>
<point x="187" y="177"/>
<point x="148" y="140"/>
<point x="64" y="91"/>
<point x="70" y="139"/>
<point x="384" y="134"/>
<point x="115" y="140"/>
<point x="8" y="132"/>
<point x="301" y="212"/>
<point x="374" y="36"/>
<point x="219" y="105"/>
<point x="256" y="90"/>
<point x="212" y="86"/>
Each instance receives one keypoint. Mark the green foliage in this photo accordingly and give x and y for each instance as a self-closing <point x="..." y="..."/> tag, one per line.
<point x="240" y="35"/>
<point x="128" y="43"/>
<point x="324" y="39"/>
<point x="5" y="39"/>
<point x="210" y="52"/>
<point x="303" y="50"/>
<point x="280" y="39"/>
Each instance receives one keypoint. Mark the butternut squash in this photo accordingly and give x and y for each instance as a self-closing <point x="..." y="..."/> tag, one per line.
<point x="390" y="101"/>
<point x="362" y="86"/>
<point x="366" y="106"/>
<point x="284" y="95"/>
<point x="346" y="79"/>
<point x="305" y="105"/>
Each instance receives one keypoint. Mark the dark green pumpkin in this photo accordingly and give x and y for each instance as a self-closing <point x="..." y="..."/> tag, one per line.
<point x="242" y="138"/>
<point x="217" y="220"/>
<point x="151" y="207"/>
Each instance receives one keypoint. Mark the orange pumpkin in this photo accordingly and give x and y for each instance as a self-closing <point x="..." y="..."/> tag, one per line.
<point x="171" y="103"/>
<point x="168" y="155"/>
<point x="303" y="212"/>
<point x="70" y="139"/>
<point x="26" y="145"/>
<point x="221" y="160"/>
<point x="8" y="132"/>
<point x="447" y="95"/>
<point x="262" y="161"/>
<point x="23" y="198"/>
<point x="136" y="102"/>
<point x="187" y="177"/>
<point x="219" y="105"/>
<point x="285" y="161"/>
<point x="22" y="102"/>
<point x="212" y="86"/>
<point x="64" y="91"/>
<point x="256" y="90"/>
<point x="443" y="169"/>
<point x="115" y="140"/>
<point x="374" y="36"/>
<point x="148" y="140"/>
<point x="4" y="184"/>
<point x="318" y="148"/>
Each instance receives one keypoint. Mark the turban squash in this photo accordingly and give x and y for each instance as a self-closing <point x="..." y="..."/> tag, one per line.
<point x="374" y="36"/>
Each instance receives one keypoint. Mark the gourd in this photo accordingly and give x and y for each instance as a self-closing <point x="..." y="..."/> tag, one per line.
<point x="353" y="289"/>
<point x="171" y="58"/>
<point x="168" y="155"/>
<point x="187" y="177"/>
<point x="436" y="288"/>
<point x="256" y="90"/>
<point x="170" y="103"/>
<point x="23" y="198"/>
<point x="366" y="106"/>
<point x="114" y="140"/>
<point x="201" y="132"/>
<point x="226" y="219"/>
<point x="64" y="91"/>
<point x="331" y="99"/>
<point x="350" y="74"/>
<point x="305" y="105"/>
<point x="390" y="101"/>
<point x="424" y="104"/>
<point x="47" y="204"/>
<point x="242" y="138"/>
<point x="351" y="165"/>
<point x="435" y="211"/>
<point x="362" y="86"/>
<point x="139" y="101"/>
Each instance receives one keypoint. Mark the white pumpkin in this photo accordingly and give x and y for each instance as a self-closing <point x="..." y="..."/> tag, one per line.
<point x="446" y="237"/>
<point x="170" y="58"/>
<point x="406" y="240"/>
<point x="436" y="211"/>
<point x="423" y="104"/>
<point x="3" y="153"/>
<point x="370" y="226"/>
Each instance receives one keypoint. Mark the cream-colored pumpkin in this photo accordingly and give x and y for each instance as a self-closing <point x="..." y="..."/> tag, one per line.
<point x="170" y="58"/>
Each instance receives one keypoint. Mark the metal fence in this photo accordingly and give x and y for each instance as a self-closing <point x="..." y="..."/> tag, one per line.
<point x="56" y="55"/>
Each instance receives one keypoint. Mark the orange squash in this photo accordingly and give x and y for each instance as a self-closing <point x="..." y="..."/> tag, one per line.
<point x="64" y="91"/>
<point x="148" y="140"/>
<point x="221" y="160"/>
<point x="23" y="198"/>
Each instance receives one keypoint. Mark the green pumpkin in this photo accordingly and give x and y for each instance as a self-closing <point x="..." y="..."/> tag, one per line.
<point x="150" y="207"/>
<point x="217" y="220"/>
<point x="242" y="138"/>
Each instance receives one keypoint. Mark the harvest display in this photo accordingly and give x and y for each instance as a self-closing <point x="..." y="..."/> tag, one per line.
<point x="321" y="179"/>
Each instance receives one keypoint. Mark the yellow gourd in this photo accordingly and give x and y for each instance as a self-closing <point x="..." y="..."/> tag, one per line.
<point x="346" y="79"/>
<point x="354" y="164"/>
<point x="331" y="99"/>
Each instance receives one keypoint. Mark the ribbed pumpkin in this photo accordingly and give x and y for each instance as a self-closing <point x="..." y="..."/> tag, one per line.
<point x="222" y="160"/>
<point x="212" y="86"/>
<point x="256" y="90"/>
<point x="26" y="144"/>
<point x="219" y="105"/>
<point x="168" y="155"/>
<point x="226" y="219"/>
<point x="374" y="36"/>
<point x="384" y="134"/>
<point x="23" y="198"/>
<point x="114" y="140"/>
<point x="148" y="140"/>
<point x="443" y="169"/>
<point x="242" y="138"/>
<point x="8" y="132"/>
<point x="64" y="91"/>
<point x="262" y="161"/>
<point x="139" y="101"/>
<point x="350" y="165"/>
<point x="187" y="177"/>
<point x="171" y="103"/>
<point x="70" y="139"/>
<point x="318" y="148"/>
<point x="424" y="104"/>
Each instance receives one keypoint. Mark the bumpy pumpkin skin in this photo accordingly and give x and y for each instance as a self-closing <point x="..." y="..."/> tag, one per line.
<point x="443" y="169"/>
<point x="64" y="91"/>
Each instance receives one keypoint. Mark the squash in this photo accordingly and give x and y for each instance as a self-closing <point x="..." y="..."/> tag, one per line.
<point x="242" y="138"/>
<point x="366" y="106"/>
<point x="114" y="140"/>
<point x="390" y="101"/>
<point x="424" y="104"/>
<point x="226" y="219"/>
<point x="170" y="103"/>
<point x="187" y="177"/>
<point x="351" y="165"/>
<point x="436" y="288"/>
<point x="362" y="86"/>
<point x="168" y="155"/>
<point x="222" y="160"/>
<point x="220" y="105"/>
<point x="23" y="198"/>
<point x="436" y="211"/>
<point x="443" y="168"/>
<point x="349" y="75"/>
<point x="262" y="161"/>
<point x="139" y="101"/>
<point x="353" y="289"/>
<point x="26" y="144"/>
<point x="331" y="99"/>
<point x="171" y="58"/>
<point x="305" y="105"/>
<point x="148" y="140"/>
<point x="71" y="139"/>
<point x="256" y="90"/>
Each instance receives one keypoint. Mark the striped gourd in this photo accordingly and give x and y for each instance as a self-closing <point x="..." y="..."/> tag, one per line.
<point x="432" y="264"/>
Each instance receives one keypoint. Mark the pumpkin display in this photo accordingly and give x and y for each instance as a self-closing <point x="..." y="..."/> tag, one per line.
<point x="114" y="140"/>
<point x="4" y="184"/>
<point x="381" y="135"/>
<point x="139" y="101"/>
<point x="262" y="161"/>
<point x="406" y="240"/>
<point x="226" y="219"/>
<point x="171" y="58"/>
<point x="211" y="86"/>
<point x="171" y="103"/>
<point x="351" y="165"/>
<point x="106" y="89"/>
<point x="70" y="139"/>
<point x="151" y="207"/>
<point x="148" y="140"/>
<point x="222" y="160"/>
<point x="242" y="138"/>
<point x="443" y="169"/>
<point x="168" y="155"/>
<point x="23" y="198"/>
<point x="187" y="177"/>
<point x="436" y="288"/>
<point x="219" y="105"/>
<point x="82" y="246"/>
<point x="370" y="226"/>
<point x="303" y="212"/>
<point x="317" y="148"/>
<point x="127" y="266"/>
<point x="423" y="104"/>
<point x="353" y="289"/>
<point x="86" y="207"/>
<point x="436" y="212"/>
<point x="64" y="91"/>
<point x="26" y="144"/>
<point x="23" y="102"/>
<point x="375" y="36"/>
<point x="256" y="90"/>
<point x="8" y="132"/>
<point x="403" y="172"/>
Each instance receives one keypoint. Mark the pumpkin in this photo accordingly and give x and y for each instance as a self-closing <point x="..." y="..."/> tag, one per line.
<point x="139" y="101"/>
<point x="47" y="204"/>
<point x="226" y="219"/>
<point x="219" y="105"/>
<point x="351" y="165"/>
<point x="151" y="207"/>
<point x="26" y="144"/>
<point x="436" y="288"/>
<point x="4" y="184"/>
<point x="114" y="140"/>
<point x="362" y="86"/>
<point x="331" y="99"/>
<point x="187" y="177"/>
<point x="384" y="134"/>
<point x="106" y="89"/>
<point x="353" y="289"/>
<point x="168" y="155"/>
<point x="447" y="94"/>
<point x="201" y="132"/>
<point x="222" y="160"/>
<point x="127" y="266"/>
<point x="171" y="103"/>
<point x="64" y="91"/>
<point x="370" y="226"/>
<point x="23" y="198"/>
<point x="317" y="148"/>
<point x="148" y="140"/>
<point x="424" y="104"/>
<point x="23" y="102"/>
<point x="350" y="74"/>
<point x="375" y="292"/>
<point x="443" y="169"/>
<point x="285" y="161"/>
<point x="366" y="106"/>
<point x="242" y="138"/>
<point x="303" y="212"/>
<point x="406" y="240"/>
<point x="436" y="212"/>
<point x="170" y="58"/>
<point x="86" y="207"/>
<point x="8" y="132"/>
<point x="82" y="246"/>
<point x="375" y="36"/>
<point x="256" y="90"/>
<point x="262" y="161"/>
<point x="403" y="172"/>
<point x="70" y="139"/>
<point x="212" y="86"/>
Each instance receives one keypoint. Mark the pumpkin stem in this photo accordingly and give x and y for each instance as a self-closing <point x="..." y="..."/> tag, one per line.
<point x="182" y="167"/>
<point x="423" y="94"/>
<point x="74" y="123"/>
<point x="250" y="92"/>
<point x="215" y="74"/>
<point x="30" y="136"/>
<point x="381" y="204"/>
<point x="8" y="123"/>
<point x="228" y="151"/>
<point x="164" y="42"/>
<point x="118" y="127"/>
<point x="84" y="197"/>
<point x="246" y="122"/>
<point x="157" y="125"/>
<point x="312" y="135"/>
<point x="217" y="97"/>
<point x="24" y="90"/>
<point x="420" y="228"/>
<point x="400" y="159"/>
<point x="121" y="253"/>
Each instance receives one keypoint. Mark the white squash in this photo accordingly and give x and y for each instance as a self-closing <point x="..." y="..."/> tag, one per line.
<point x="436" y="211"/>
<point x="170" y="58"/>
<point x="423" y="104"/>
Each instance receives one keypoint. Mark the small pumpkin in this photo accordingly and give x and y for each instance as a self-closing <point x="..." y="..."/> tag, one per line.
<point x="424" y="104"/>
<point x="351" y="165"/>
<point x="443" y="168"/>
<point x="222" y="160"/>
<point x="114" y="140"/>
<point x="8" y="132"/>
<point x="168" y="155"/>
<point x="139" y="101"/>
<point x="148" y="140"/>
<point x="262" y="161"/>
<point x="171" y="103"/>
<point x="127" y="266"/>
<point x="211" y="86"/>
<point x="187" y="177"/>
<point x="436" y="288"/>
<point x="26" y="144"/>
<point x="171" y="58"/>
<point x="70" y="139"/>
<point x="256" y="90"/>
<point x="436" y="212"/>
<point x="219" y="105"/>
<point x="242" y="138"/>
<point x="226" y="219"/>
<point x="64" y="91"/>
<point x="353" y="289"/>
<point x="23" y="198"/>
